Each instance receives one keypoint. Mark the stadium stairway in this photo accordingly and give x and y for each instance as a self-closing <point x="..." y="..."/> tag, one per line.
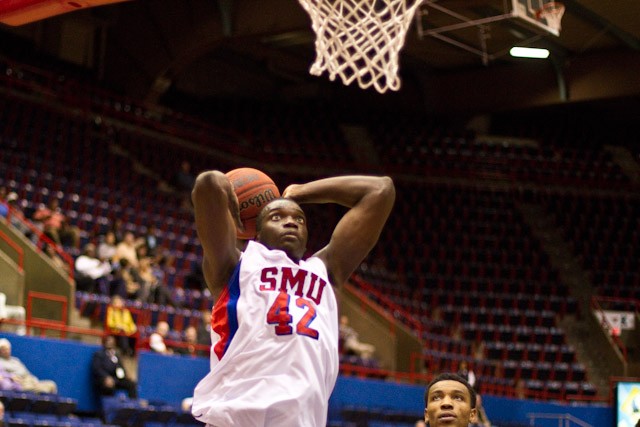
<point x="577" y="328"/>
<point x="77" y="320"/>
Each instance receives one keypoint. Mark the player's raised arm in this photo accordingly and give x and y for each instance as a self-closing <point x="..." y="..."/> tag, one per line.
<point x="216" y="214"/>
<point x="370" y="200"/>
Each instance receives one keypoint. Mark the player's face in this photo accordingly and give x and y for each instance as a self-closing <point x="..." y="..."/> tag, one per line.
<point x="284" y="226"/>
<point x="449" y="404"/>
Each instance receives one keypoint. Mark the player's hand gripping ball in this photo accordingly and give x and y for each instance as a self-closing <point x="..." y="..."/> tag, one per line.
<point x="254" y="189"/>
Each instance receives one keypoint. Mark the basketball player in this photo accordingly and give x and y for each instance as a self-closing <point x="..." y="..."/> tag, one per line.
<point x="274" y="359"/>
<point x="449" y="401"/>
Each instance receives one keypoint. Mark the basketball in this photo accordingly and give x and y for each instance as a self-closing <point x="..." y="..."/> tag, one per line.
<point x="254" y="189"/>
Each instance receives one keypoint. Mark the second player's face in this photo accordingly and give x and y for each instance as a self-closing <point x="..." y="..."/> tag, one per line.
<point x="449" y="404"/>
<point x="284" y="227"/>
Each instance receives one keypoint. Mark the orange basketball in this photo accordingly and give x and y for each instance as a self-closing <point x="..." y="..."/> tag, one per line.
<point x="254" y="189"/>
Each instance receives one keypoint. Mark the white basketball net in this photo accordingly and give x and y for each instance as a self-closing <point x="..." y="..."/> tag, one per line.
<point x="360" y="39"/>
<point x="552" y="13"/>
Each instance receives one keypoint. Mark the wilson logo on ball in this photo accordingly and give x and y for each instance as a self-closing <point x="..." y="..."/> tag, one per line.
<point x="258" y="200"/>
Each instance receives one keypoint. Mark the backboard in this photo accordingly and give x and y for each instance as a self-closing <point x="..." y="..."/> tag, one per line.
<point x="528" y="11"/>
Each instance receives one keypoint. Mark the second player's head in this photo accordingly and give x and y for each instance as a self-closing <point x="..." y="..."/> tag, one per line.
<point x="450" y="401"/>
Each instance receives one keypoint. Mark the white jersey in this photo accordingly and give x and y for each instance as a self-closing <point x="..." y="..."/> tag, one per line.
<point x="274" y="358"/>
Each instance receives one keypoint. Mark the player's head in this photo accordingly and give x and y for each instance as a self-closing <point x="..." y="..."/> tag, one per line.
<point x="282" y="224"/>
<point x="449" y="401"/>
<point x="5" y="348"/>
<point x="109" y="342"/>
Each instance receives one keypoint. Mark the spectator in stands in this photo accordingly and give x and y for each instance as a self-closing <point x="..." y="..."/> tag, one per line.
<point x="120" y="323"/>
<point x="520" y="389"/>
<point x="457" y="333"/>
<point x="156" y="340"/>
<point x="148" y="281"/>
<point x="479" y="349"/>
<point x="351" y="342"/>
<point x="55" y="258"/>
<point x="154" y="287"/>
<point x="90" y="270"/>
<point x="4" y="207"/>
<point x="467" y="373"/>
<point x="184" y="179"/>
<point x="129" y="282"/>
<point x="56" y="225"/>
<point x="420" y="423"/>
<point x="8" y="382"/>
<point x="191" y="341"/>
<point x="14" y="312"/>
<point x="204" y="328"/>
<point x="16" y="216"/>
<point x="21" y="374"/>
<point x="483" y="419"/>
<point x="150" y="241"/>
<point x="117" y="227"/>
<point x="109" y="374"/>
<point x="449" y="401"/>
<point x="107" y="246"/>
<point x="127" y="249"/>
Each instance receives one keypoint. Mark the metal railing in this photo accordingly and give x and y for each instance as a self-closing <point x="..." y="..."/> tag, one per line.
<point x="15" y="247"/>
<point x="564" y="420"/>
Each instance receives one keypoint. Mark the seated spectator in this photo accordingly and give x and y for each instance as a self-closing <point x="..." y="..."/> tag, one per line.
<point x="204" y="328"/>
<point x="8" y="382"/>
<point x="56" y="226"/>
<point x="467" y="373"/>
<point x="4" y="207"/>
<point x="130" y="283"/>
<point x="119" y="322"/>
<point x="107" y="247"/>
<point x="16" y="216"/>
<point x="351" y="341"/>
<point x="117" y="227"/>
<point x="156" y="340"/>
<point x="184" y="179"/>
<point x="148" y="281"/>
<point x="191" y="339"/>
<point x="481" y="415"/>
<point x="15" y="312"/>
<point x="21" y="374"/>
<point x="150" y="241"/>
<point x="108" y="373"/>
<point x="153" y="282"/>
<point x="55" y="258"/>
<point x="127" y="249"/>
<point x="90" y="269"/>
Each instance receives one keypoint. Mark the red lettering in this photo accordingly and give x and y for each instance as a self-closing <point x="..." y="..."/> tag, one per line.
<point x="296" y="281"/>
<point x="321" y="284"/>
<point x="269" y="280"/>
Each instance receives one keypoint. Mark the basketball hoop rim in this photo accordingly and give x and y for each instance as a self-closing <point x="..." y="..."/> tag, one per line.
<point x="553" y="8"/>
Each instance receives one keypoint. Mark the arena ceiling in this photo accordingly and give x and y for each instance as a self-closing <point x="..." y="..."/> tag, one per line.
<point x="254" y="48"/>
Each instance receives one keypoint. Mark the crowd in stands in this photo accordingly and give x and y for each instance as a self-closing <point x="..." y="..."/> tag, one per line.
<point x="455" y="245"/>
<point x="125" y="268"/>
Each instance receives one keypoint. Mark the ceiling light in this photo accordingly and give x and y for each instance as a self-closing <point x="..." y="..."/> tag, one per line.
<point x="529" y="52"/>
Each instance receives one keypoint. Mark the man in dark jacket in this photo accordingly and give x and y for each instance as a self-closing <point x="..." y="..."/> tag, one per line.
<point x="108" y="373"/>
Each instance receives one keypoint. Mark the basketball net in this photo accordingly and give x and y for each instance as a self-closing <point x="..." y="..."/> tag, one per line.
<point x="552" y="13"/>
<point x="360" y="39"/>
